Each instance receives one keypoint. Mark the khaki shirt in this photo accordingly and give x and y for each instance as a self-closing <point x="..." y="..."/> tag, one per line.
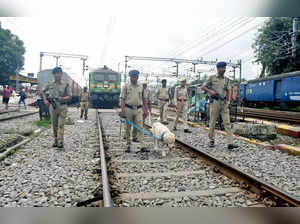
<point x="181" y="93"/>
<point x="219" y="84"/>
<point x="58" y="90"/>
<point x="163" y="93"/>
<point x="146" y="95"/>
<point x="84" y="96"/>
<point x="132" y="94"/>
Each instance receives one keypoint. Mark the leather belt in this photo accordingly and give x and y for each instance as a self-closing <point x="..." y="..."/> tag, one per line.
<point x="166" y="100"/>
<point x="181" y="100"/>
<point x="133" y="107"/>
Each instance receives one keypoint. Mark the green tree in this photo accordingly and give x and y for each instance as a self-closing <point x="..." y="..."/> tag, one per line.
<point x="12" y="54"/>
<point x="272" y="47"/>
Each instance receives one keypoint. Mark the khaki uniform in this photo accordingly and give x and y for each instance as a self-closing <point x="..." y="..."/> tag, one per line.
<point x="217" y="107"/>
<point x="84" y="103"/>
<point x="58" y="115"/>
<point x="146" y="104"/>
<point x="132" y="96"/>
<point x="163" y="100"/>
<point x="181" y="102"/>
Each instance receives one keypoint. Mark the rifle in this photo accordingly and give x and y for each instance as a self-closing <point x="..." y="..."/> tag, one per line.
<point x="52" y="101"/>
<point x="217" y="96"/>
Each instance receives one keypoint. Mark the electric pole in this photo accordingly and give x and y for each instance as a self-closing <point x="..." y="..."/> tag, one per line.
<point x="177" y="69"/>
<point x="294" y="36"/>
<point x="125" y="74"/>
<point x="240" y="65"/>
<point x="41" y="60"/>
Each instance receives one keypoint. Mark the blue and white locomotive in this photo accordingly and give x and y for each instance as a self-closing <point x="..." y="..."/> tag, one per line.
<point x="279" y="90"/>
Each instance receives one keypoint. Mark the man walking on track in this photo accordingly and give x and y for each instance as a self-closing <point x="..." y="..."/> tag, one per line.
<point x="131" y="108"/>
<point x="163" y="96"/>
<point x="146" y="102"/>
<point x="219" y="89"/>
<point x="181" y="102"/>
<point x="84" y="103"/>
<point x="59" y="94"/>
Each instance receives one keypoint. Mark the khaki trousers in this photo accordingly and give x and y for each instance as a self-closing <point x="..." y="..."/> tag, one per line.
<point x="218" y="107"/>
<point x="84" y="106"/>
<point x="136" y="117"/>
<point x="58" y="117"/>
<point x="181" y="112"/>
<point x="163" y="108"/>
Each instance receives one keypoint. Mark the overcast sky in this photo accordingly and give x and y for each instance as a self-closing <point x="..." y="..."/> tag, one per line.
<point x="107" y="32"/>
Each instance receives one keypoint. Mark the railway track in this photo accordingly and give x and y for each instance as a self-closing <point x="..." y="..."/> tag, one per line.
<point x="286" y="116"/>
<point x="187" y="177"/>
<point x="15" y="114"/>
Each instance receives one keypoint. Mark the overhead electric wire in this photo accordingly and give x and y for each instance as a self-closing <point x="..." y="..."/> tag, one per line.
<point x="227" y="42"/>
<point x="213" y="35"/>
<point x="228" y="27"/>
<point x="211" y="31"/>
<point x="216" y="41"/>
<point x="213" y="26"/>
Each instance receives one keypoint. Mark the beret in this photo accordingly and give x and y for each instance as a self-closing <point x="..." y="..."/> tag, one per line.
<point x="134" y="72"/>
<point x="56" y="70"/>
<point x="221" y="64"/>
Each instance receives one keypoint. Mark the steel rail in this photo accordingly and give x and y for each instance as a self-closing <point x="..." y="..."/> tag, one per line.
<point x="264" y="189"/>
<point x="267" y="190"/>
<point x="7" y="111"/>
<point x="17" y="116"/>
<point x="269" y="116"/>
<point x="105" y="183"/>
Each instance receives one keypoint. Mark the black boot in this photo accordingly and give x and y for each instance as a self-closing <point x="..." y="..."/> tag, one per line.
<point x="144" y="149"/>
<point x="135" y="140"/>
<point x="187" y="131"/>
<point x="55" y="144"/>
<point x="211" y="144"/>
<point x="232" y="146"/>
<point x="128" y="149"/>
<point x="60" y="145"/>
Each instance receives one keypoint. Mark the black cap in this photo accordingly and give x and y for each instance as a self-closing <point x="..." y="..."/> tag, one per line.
<point x="134" y="72"/>
<point x="221" y="64"/>
<point x="56" y="70"/>
<point x="164" y="80"/>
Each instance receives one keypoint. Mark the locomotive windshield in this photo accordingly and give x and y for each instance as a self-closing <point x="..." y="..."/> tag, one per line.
<point x="105" y="77"/>
<point x="112" y="78"/>
<point x="99" y="77"/>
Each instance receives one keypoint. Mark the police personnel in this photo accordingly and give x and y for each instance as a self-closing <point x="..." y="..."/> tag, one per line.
<point x="146" y="107"/>
<point x="146" y="100"/>
<point x="59" y="93"/>
<point x="84" y="102"/>
<point x="163" y="97"/>
<point x="181" y="102"/>
<point x="220" y="91"/>
<point x="131" y="107"/>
